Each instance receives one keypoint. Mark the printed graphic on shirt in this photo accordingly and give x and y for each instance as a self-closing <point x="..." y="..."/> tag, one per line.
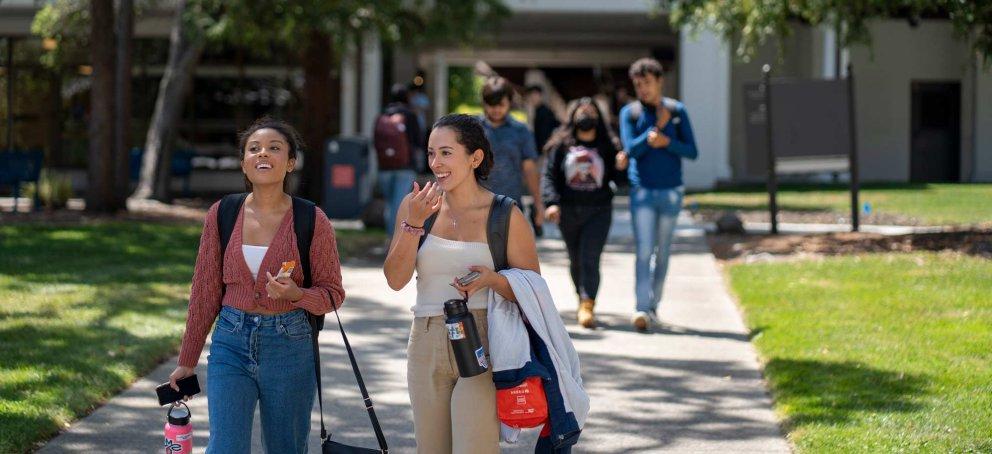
<point x="584" y="169"/>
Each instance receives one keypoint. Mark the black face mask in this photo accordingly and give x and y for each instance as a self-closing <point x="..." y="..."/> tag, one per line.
<point x="585" y="124"/>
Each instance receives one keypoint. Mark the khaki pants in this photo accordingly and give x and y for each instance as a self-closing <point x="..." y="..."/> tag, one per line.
<point x="450" y="414"/>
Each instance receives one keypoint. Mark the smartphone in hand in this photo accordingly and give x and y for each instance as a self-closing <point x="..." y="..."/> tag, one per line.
<point x="188" y="386"/>
<point x="468" y="278"/>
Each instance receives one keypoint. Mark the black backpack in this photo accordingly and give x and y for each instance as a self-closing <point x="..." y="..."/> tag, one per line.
<point x="304" y="213"/>
<point x="497" y="229"/>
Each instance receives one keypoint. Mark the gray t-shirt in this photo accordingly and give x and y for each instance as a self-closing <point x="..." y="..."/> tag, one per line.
<point x="512" y="142"/>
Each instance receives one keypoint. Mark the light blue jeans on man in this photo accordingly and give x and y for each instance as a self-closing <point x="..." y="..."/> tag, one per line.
<point x="264" y="360"/>
<point x="394" y="185"/>
<point x="655" y="213"/>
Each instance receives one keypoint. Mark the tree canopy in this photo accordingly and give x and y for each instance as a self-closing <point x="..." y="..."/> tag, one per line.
<point x="752" y="22"/>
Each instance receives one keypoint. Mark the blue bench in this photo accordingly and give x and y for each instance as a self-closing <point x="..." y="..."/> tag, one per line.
<point x="182" y="165"/>
<point x="21" y="167"/>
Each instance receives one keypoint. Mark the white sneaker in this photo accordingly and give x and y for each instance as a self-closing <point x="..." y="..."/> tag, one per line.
<point x="641" y="321"/>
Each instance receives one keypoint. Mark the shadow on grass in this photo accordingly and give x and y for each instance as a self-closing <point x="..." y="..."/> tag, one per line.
<point x="792" y="187"/>
<point x="141" y="253"/>
<point x="761" y="206"/>
<point x="60" y="371"/>
<point x="822" y="392"/>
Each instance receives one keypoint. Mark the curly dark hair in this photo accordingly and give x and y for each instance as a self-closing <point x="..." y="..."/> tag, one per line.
<point x="470" y="134"/>
<point x="287" y="131"/>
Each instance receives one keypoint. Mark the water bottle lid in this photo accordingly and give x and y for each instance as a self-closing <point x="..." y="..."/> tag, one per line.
<point x="455" y="307"/>
<point x="178" y="416"/>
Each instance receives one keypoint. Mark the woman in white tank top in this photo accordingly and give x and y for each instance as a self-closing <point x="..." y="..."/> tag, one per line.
<point x="452" y="414"/>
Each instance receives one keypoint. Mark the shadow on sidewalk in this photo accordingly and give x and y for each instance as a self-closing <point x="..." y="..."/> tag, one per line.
<point x="697" y="389"/>
<point x="606" y="323"/>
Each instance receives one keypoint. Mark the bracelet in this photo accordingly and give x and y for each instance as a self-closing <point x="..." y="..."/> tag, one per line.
<point x="415" y="231"/>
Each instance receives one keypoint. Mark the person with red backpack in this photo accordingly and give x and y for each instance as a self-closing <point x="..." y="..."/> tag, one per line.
<point x="397" y="141"/>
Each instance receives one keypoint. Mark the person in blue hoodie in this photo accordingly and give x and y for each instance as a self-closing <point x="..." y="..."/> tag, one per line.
<point x="657" y="136"/>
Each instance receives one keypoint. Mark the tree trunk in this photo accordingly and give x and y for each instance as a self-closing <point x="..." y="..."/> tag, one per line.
<point x="122" y="96"/>
<point x="156" y="166"/>
<point x="54" y="117"/>
<point x="318" y="108"/>
<point x="100" y="188"/>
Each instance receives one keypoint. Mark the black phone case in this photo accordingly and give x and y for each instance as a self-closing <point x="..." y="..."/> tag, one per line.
<point x="188" y="386"/>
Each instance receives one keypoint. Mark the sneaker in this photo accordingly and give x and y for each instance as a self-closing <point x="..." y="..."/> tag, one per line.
<point x="641" y="321"/>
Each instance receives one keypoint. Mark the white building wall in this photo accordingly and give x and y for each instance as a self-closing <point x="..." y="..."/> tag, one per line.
<point x="983" y="126"/>
<point x="883" y="75"/>
<point x="371" y="83"/>
<point x="704" y="72"/>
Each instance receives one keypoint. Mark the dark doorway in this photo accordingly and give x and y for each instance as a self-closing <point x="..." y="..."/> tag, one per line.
<point x="935" y="134"/>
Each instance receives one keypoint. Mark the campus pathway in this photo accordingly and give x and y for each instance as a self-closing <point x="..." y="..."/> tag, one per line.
<point x="691" y="386"/>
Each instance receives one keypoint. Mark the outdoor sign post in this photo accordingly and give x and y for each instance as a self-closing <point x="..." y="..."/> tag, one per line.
<point x="808" y="126"/>
<point x="766" y="88"/>
<point x="853" y="155"/>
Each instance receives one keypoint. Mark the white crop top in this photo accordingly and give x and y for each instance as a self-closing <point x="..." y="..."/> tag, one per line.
<point x="253" y="257"/>
<point x="439" y="262"/>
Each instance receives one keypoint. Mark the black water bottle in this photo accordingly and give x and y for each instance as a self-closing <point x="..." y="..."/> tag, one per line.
<point x="464" y="337"/>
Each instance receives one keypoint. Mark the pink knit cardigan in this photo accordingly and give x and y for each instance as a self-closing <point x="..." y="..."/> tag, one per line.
<point x="246" y="293"/>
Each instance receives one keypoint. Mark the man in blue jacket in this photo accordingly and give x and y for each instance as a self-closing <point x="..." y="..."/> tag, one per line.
<point x="656" y="134"/>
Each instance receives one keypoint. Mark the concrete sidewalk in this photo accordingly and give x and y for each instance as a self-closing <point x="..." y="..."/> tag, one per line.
<point x="691" y="386"/>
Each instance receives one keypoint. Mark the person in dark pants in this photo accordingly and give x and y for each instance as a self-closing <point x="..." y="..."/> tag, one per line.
<point x="582" y="161"/>
<point x="395" y="183"/>
<point x="544" y="124"/>
<point x="545" y="121"/>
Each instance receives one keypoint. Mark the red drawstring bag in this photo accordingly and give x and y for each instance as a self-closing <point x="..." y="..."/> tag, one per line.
<point x="524" y="405"/>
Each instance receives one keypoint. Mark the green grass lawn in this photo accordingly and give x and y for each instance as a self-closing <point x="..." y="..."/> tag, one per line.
<point x="881" y="353"/>
<point x="930" y="203"/>
<point x="86" y="310"/>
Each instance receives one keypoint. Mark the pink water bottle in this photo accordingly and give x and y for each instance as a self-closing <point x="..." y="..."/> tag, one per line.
<point x="178" y="430"/>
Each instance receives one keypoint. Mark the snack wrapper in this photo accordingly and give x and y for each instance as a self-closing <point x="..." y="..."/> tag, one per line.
<point x="286" y="269"/>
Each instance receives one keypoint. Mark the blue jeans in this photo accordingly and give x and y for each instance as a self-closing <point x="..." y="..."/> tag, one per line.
<point x="654" y="213"/>
<point x="265" y="360"/>
<point x="394" y="185"/>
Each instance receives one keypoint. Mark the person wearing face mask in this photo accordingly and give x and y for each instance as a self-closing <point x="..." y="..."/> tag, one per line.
<point x="583" y="158"/>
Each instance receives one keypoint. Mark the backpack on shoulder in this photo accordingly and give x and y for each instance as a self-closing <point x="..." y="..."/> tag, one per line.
<point x="524" y="405"/>
<point x="392" y="147"/>
<point x="304" y="215"/>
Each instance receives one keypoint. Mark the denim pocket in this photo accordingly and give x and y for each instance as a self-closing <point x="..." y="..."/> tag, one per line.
<point x="227" y="323"/>
<point x="296" y="330"/>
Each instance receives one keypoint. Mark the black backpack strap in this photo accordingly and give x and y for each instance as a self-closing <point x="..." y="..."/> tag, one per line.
<point x="380" y="437"/>
<point x="304" y="214"/>
<point x="428" y="224"/>
<point x="498" y="230"/>
<point x="227" y="216"/>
